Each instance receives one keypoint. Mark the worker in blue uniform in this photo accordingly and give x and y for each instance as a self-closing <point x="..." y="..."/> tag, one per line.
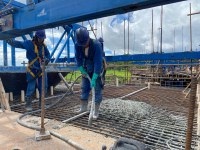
<point x="36" y="52"/>
<point x="89" y="60"/>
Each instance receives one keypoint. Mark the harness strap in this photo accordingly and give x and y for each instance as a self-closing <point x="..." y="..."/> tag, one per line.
<point x="29" y="70"/>
<point x="34" y="60"/>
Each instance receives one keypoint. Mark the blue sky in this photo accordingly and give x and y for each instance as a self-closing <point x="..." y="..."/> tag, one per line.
<point x="174" y="20"/>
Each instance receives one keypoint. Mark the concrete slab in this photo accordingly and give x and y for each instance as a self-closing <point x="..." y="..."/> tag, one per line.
<point x="87" y="139"/>
<point x="14" y="136"/>
<point x="44" y="136"/>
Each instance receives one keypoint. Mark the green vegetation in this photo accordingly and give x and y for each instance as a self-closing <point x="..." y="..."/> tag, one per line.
<point x="121" y="72"/>
<point x="70" y="77"/>
<point x="118" y="73"/>
<point x="111" y="75"/>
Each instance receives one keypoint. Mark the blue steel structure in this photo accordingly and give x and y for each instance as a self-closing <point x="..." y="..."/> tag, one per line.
<point x="22" y="69"/>
<point x="52" y="13"/>
<point x="155" y="56"/>
<point x="67" y="30"/>
<point x="15" y="4"/>
<point x="141" y="58"/>
<point x="19" y="20"/>
<point x="5" y="56"/>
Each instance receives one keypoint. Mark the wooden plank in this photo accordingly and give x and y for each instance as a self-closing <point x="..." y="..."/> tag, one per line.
<point x="3" y="96"/>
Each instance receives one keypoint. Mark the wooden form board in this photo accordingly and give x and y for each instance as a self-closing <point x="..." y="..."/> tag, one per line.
<point x="3" y="98"/>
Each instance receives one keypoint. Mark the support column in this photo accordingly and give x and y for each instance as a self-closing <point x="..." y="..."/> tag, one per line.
<point x="5" y="55"/>
<point x="68" y="51"/>
<point x="13" y="56"/>
<point x="61" y="50"/>
<point x="22" y="96"/>
<point x="52" y="53"/>
<point x="7" y="96"/>
<point x="11" y="96"/>
<point x="117" y="82"/>
<point x="51" y="90"/>
<point x="149" y="85"/>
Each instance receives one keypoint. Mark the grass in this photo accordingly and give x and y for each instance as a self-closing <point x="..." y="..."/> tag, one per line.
<point x="70" y="77"/>
<point x="118" y="73"/>
<point x="110" y="73"/>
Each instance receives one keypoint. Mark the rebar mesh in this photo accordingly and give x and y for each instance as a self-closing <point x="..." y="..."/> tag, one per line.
<point x="158" y="117"/>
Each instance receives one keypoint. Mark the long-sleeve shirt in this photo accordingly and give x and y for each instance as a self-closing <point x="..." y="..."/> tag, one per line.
<point x="30" y="50"/>
<point x="94" y="58"/>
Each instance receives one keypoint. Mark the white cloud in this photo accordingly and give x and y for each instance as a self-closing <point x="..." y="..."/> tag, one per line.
<point x="174" y="17"/>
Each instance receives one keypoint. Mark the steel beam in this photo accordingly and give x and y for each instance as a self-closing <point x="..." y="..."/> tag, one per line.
<point x="24" y="38"/>
<point x="61" y="50"/>
<point x="54" y="13"/>
<point x="61" y="60"/>
<point x="15" y="3"/>
<point x="148" y="57"/>
<point x="155" y="56"/>
<point x="52" y="53"/>
<point x="50" y="68"/>
<point x="68" y="51"/>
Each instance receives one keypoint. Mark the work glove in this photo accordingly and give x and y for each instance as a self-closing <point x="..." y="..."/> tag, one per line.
<point x="82" y="70"/>
<point x="94" y="78"/>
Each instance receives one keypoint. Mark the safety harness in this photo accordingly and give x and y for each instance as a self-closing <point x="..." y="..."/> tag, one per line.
<point x="30" y="65"/>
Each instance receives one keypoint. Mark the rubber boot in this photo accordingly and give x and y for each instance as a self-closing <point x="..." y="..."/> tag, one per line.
<point x="28" y="105"/>
<point x="96" y="111"/>
<point x="83" y="107"/>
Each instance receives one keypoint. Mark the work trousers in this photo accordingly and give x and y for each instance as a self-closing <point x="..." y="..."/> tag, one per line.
<point x="31" y="87"/>
<point x="86" y="88"/>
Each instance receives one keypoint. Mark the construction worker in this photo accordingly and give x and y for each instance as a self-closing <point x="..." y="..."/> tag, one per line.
<point x="89" y="60"/>
<point x="36" y="52"/>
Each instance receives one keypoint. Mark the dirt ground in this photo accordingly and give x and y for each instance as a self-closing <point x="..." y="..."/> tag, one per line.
<point x="88" y="139"/>
<point x="15" y="137"/>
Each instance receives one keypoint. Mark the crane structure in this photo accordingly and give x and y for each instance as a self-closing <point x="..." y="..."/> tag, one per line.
<point x="17" y="19"/>
<point x="20" y="20"/>
<point x="36" y="15"/>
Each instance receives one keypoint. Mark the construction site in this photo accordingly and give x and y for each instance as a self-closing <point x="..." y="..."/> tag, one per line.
<point x="149" y="101"/>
